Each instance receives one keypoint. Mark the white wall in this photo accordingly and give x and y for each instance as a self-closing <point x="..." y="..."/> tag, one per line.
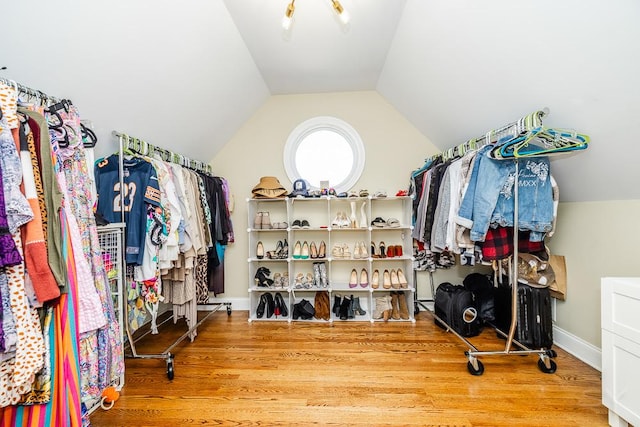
<point x="598" y="239"/>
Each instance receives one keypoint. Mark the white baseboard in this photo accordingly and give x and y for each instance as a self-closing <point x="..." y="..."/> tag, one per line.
<point x="583" y="350"/>
<point x="586" y="352"/>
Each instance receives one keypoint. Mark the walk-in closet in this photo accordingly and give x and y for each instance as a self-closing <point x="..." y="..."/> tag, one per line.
<point x="319" y="212"/>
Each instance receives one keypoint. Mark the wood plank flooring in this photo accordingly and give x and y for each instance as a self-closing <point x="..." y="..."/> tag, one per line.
<point x="348" y="374"/>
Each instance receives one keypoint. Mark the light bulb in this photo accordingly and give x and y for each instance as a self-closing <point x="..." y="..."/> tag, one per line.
<point x="344" y="17"/>
<point x="286" y="23"/>
<point x="288" y="16"/>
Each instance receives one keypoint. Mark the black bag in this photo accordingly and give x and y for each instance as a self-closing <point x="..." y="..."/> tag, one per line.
<point x="534" y="323"/>
<point x="482" y="287"/>
<point x="456" y="306"/>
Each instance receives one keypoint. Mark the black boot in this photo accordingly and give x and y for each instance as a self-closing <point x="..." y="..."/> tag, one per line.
<point x="281" y="306"/>
<point x="336" y="305"/>
<point x="271" y="305"/>
<point x="261" y="306"/>
<point x="356" y="307"/>
<point x="344" y="308"/>
<point x="350" y="313"/>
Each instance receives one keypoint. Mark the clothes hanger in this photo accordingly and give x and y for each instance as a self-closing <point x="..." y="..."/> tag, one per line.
<point x="549" y="141"/>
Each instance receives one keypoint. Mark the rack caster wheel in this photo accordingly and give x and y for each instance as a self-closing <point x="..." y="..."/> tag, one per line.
<point x="552" y="353"/>
<point x="416" y="308"/>
<point x="170" y="372"/>
<point x="228" y="310"/>
<point x="473" y="371"/>
<point x="547" y="370"/>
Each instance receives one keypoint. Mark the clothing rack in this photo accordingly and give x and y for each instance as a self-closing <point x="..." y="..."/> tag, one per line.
<point x="475" y="367"/>
<point x="41" y="96"/>
<point x="144" y="148"/>
<point x="126" y="142"/>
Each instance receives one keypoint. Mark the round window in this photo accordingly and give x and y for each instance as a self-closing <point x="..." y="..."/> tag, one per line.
<point x="324" y="149"/>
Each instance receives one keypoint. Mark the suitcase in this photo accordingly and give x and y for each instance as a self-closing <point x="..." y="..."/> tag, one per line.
<point x="456" y="306"/>
<point x="535" y="327"/>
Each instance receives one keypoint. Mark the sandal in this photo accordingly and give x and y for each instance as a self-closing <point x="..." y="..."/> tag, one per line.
<point x="402" y="193"/>
<point x="393" y="223"/>
<point x="378" y="222"/>
<point x="380" y="194"/>
<point x="364" y="193"/>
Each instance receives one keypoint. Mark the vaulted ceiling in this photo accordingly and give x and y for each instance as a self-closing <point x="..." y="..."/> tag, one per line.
<point x="179" y="73"/>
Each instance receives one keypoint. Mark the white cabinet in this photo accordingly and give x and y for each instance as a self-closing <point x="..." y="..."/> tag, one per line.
<point x="621" y="349"/>
<point x="337" y="245"/>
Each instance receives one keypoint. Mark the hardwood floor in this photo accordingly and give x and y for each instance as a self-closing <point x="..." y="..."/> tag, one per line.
<point x="355" y="374"/>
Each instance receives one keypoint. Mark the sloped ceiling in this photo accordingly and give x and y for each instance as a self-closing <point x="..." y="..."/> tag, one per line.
<point x="186" y="75"/>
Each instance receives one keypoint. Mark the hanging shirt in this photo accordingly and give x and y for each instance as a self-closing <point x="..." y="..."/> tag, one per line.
<point x="140" y="188"/>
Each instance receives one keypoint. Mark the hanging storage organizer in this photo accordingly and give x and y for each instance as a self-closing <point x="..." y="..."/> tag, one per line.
<point x="137" y="146"/>
<point x="526" y="138"/>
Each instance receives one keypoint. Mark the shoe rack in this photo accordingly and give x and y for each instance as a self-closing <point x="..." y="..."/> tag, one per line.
<point x="357" y="249"/>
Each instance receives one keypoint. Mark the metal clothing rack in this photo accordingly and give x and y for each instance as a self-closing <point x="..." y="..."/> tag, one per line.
<point x="34" y="93"/>
<point x="475" y="367"/>
<point x="136" y="145"/>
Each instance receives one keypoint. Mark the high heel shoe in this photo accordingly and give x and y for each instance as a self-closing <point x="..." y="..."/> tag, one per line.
<point x="304" y="252"/>
<point x="364" y="278"/>
<point x="313" y="250"/>
<point x="402" y="280"/>
<point x="375" y="250"/>
<point x="383" y="250"/>
<point x="257" y="221"/>
<point x="386" y="280"/>
<point x="297" y="249"/>
<point x="266" y="221"/>
<point x="322" y="251"/>
<point x="353" y="281"/>
<point x="259" y="250"/>
<point x="285" y="250"/>
<point x="375" y="279"/>
<point x="395" y="284"/>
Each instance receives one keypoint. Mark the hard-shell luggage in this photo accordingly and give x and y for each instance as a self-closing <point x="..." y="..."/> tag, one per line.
<point x="456" y="306"/>
<point x="535" y="327"/>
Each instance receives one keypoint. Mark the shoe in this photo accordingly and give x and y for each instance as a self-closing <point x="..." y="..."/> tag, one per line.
<point x="357" y="309"/>
<point x="304" y="252"/>
<point x="297" y="250"/>
<point x="322" y="251"/>
<point x="346" y="253"/>
<point x="386" y="280"/>
<point x="395" y="284"/>
<point x="261" y="306"/>
<point x="323" y="275"/>
<point x="393" y="223"/>
<point x="404" y="284"/>
<point x="336" y="305"/>
<point x="375" y="251"/>
<point x="285" y="250"/>
<point x="259" y="250"/>
<point x="305" y="224"/>
<point x="395" y="312"/>
<point x="285" y="279"/>
<point x="383" y="253"/>
<point x="364" y="278"/>
<point x="277" y="281"/>
<point x="309" y="281"/>
<point x="257" y="221"/>
<point x="391" y="252"/>
<point x="402" y="306"/>
<point x="336" y="252"/>
<point x="299" y="282"/>
<point x="375" y="279"/>
<point x="356" y="251"/>
<point x="266" y="221"/>
<point x="281" y="306"/>
<point x="378" y="222"/>
<point x="271" y="305"/>
<point x="344" y="308"/>
<point x="344" y="221"/>
<point x="296" y="224"/>
<point x="316" y="274"/>
<point x="313" y="250"/>
<point x="353" y="281"/>
<point x="397" y="250"/>
<point x="277" y="254"/>
<point x="363" y="250"/>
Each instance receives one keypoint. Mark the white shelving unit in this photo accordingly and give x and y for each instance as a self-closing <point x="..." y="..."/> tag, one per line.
<point x="322" y="215"/>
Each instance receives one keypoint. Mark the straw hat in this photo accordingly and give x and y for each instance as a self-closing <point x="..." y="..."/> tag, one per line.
<point x="268" y="188"/>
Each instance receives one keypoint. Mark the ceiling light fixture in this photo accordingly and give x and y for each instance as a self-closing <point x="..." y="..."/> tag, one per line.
<point x="287" y="20"/>
<point x="288" y="16"/>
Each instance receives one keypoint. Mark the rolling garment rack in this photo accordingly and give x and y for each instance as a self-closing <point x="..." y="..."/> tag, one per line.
<point x="126" y="142"/>
<point x="561" y="143"/>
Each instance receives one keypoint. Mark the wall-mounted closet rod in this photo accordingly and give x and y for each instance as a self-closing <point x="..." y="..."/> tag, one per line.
<point x="141" y="147"/>
<point x="525" y="124"/>
<point x="29" y="91"/>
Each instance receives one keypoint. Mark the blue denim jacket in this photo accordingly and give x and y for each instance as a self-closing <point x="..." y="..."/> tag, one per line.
<point x="489" y="197"/>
